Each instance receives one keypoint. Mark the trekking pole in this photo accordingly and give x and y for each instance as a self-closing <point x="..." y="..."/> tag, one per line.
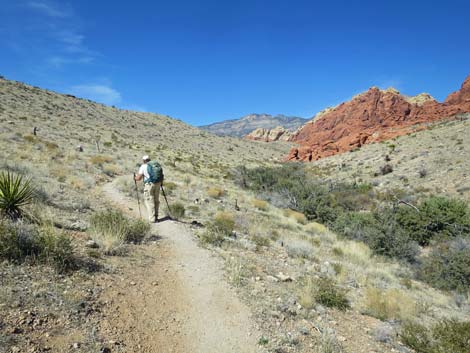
<point x="166" y="200"/>
<point x="137" y="194"/>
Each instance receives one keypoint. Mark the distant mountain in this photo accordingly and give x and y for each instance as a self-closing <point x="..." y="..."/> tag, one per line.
<point x="243" y="126"/>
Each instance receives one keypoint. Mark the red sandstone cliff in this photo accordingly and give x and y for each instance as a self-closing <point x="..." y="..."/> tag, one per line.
<point x="373" y="116"/>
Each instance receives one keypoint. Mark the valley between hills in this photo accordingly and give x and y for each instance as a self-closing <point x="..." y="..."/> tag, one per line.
<point x="363" y="249"/>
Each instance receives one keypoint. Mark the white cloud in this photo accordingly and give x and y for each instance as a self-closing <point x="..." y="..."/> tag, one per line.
<point x="97" y="92"/>
<point x="70" y="37"/>
<point x="48" y="9"/>
<point x="60" y="61"/>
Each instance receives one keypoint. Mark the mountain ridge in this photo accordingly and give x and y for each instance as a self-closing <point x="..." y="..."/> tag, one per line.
<point x="248" y="123"/>
<point x="373" y="116"/>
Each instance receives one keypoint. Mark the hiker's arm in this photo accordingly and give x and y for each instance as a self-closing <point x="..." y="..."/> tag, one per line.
<point x="138" y="177"/>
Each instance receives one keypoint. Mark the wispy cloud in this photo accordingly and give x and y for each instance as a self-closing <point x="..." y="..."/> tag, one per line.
<point x="97" y="92"/>
<point x="48" y="9"/>
<point x="60" y="61"/>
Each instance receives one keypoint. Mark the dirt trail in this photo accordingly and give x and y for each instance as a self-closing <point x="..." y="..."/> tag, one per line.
<point x="172" y="297"/>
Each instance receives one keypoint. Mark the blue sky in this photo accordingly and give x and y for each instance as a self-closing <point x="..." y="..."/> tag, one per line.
<point x="204" y="61"/>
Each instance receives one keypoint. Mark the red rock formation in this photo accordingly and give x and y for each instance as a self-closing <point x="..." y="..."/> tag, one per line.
<point x="373" y="116"/>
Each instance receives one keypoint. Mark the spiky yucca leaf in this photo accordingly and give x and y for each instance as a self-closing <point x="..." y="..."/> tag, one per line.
<point x="15" y="193"/>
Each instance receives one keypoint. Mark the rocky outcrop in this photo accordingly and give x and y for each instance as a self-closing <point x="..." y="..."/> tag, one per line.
<point x="269" y="135"/>
<point x="373" y="116"/>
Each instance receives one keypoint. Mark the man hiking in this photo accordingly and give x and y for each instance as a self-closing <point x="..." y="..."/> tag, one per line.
<point x="152" y="174"/>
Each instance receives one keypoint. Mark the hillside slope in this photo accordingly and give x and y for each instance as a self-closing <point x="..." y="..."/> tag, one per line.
<point x="245" y="125"/>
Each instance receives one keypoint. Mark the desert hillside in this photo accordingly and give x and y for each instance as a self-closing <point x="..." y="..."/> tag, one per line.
<point x="366" y="251"/>
<point x="245" y="125"/>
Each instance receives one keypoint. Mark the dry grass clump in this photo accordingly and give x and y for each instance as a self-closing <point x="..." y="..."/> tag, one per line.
<point x="305" y="294"/>
<point x="222" y="226"/>
<point x="238" y="271"/>
<point x="215" y="192"/>
<point x="101" y="159"/>
<point x="297" y="216"/>
<point x="260" y="204"/>
<point x="110" y="229"/>
<point x="111" y="170"/>
<point x="356" y="252"/>
<point x="315" y="228"/>
<point x="298" y="248"/>
<point x="389" y="304"/>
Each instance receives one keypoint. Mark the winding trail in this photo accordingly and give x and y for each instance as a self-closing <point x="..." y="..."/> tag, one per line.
<point x="172" y="297"/>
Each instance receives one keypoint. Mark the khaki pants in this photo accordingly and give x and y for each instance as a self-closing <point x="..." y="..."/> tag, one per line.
<point x="151" y="199"/>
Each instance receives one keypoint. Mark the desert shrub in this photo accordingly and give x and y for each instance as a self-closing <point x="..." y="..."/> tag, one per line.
<point x="260" y="204"/>
<point x="298" y="216"/>
<point x="56" y="249"/>
<point x="260" y="240"/>
<point x="111" y="170"/>
<point x="224" y="222"/>
<point x="329" y="294"/>
<point x="100" y="159"/>
<point x="291" y="187"/>
<point x="379" y="231"/>
<point x="15" y="193"/>
<point x="388" y="304"/>
<point x="386" y="169"/>
<point x="222" y="226"/>
<point x="438" y="217"/>
<point x="356" y="252"/>
<point x="20" y="242"/>
<point x="447" y="336"/>
<point x="215" y="192"/>
<point x="177" y="210"/>
<point x="297" y="248"/>
<point x="315" y="228"/>
<point x="327" y="343"/>
<point x="137" y="230"/>
<point x="110" y="229"/>
<point x="448" y="266"/>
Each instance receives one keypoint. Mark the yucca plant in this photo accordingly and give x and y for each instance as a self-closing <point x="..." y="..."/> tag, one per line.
<point x="15" y="193"/>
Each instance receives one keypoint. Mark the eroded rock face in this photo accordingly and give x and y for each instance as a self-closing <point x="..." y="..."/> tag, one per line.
<point x="269" y="135"/>
<point x="373" y="116"/>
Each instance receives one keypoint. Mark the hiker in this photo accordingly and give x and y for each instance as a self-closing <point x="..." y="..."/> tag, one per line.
<point x="152" y="175"/>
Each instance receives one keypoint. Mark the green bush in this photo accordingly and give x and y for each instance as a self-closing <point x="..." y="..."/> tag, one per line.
<point x="329" y="294"/>
<point x="447" y="336"/>
<point x="448" y="266"/>
<point x="291" y="187"/>
<point x="438" y="217"/>
<point x="56" y="249"/>
<point x="15" y="192"/>
<point x="20" y="242"/>
<point x="177" y="210"/>
<point x="137" y="230"/>
<point x="380" y="231"/>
